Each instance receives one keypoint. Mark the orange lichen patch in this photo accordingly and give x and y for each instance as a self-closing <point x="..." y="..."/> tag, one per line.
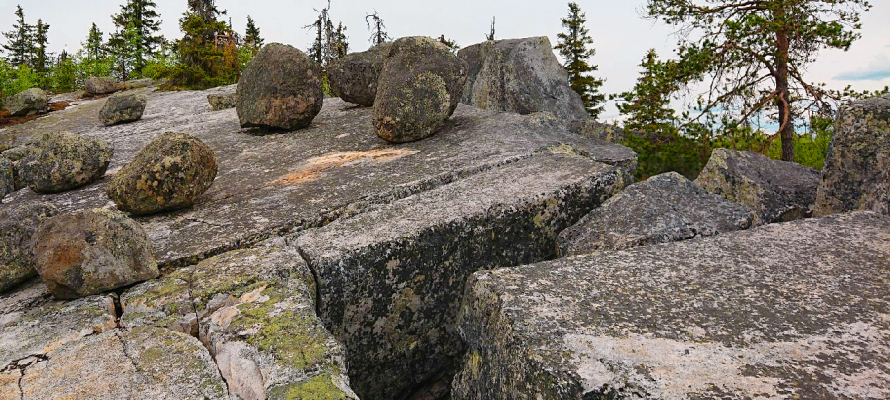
<point x="315" y="166"/>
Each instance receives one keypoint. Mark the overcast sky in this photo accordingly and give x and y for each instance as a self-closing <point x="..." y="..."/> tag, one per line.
<point x="621" y="36"/>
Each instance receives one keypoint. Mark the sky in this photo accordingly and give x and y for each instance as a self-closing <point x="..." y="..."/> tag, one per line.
<point x="621" y="36"/>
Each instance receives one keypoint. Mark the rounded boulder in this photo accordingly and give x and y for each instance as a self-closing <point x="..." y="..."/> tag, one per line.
<point x="170" y="173"/>
<point x="280" y="89"/>
<point x="419" y="88"/>
<point x="354" y="78"/>
<point x="63" y="161"/>
<point x="29" y="102"/>
<point x="92" y="251"/>
<point x="18" y="223"/>
<point x="98" y="85"/>
<point x="122" y="108"/>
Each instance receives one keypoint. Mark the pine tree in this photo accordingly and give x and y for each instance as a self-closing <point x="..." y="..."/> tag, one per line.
<point x="204" y="62"/>
<point x="252" y="35"/>
<point x="137" y="24"/>
<point x="573" y="47"/>
<point x="93" y="46"/>
<point x="490" y="34"/>
<point x="40" y="58"/>
<point x="378" y="29"/>
<point x="19" y="41"/>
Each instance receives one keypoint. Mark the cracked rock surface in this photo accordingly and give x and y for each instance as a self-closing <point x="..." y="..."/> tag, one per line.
<point x="785" y="311"/>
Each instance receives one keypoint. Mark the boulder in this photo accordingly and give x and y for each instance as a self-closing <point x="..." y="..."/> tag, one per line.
<point x="419" y="88"/>
<point x="597" y="130"/>
<point x="7" y="141"/>
<point x="390" y="280"/>
<point x="29" y="102"/>
<point x="18" y="223"/>
<point x="99" y="85"/>
<point x="137" y="83"/>
<point x="280" y="89"/>
<point x="172" y="172"/>
<point x="795" y="310"/>
<point x="521" y="76"/>
<point x="7" y="178"/>
<point x="63" y="161"/>
<point x="255" y="311"/>
<point x="354" y="78"/>
<point x="664" y="208"/>
<point x="777" y="191"/>
<point x="122" y="108"/>
<point x="91" y="252"/>
<point x="222" y="101"/>
<point x="856" y="175"/>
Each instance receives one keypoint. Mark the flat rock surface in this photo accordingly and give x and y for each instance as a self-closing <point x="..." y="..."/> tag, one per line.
<point x="785" y="311"/>
<point x="286" y="182"/>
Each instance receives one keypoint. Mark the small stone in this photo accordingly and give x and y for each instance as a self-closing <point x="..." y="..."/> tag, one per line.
<point x="222" y="101"/>
<point x="856" y="175"/>
<point x="91" y="252"/>
<point x="98" y="85"/>
<point x="17" y="225"/>
<point x="280" y="89"/>
<point x="354" y="77"/>
<point x="170" y="173"/>
<point x="63" y="161"/>
<point x="7" y="177"/>
<point x="122" y="108"/>
<point x="29" y="102"/>
<point x="777" y="191"/>
<point x="419" y="88"/>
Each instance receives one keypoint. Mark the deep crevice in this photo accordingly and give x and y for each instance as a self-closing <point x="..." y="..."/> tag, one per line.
<point x="197" y="333"/>
<point x="315" y="277"/>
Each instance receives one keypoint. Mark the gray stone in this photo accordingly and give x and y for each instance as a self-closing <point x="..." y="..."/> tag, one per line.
<point x="278" y="184"/>
<point x="122" y="108"/>
<point x="7" y="141"/>
<point x="390" y="279"/>
<point x="354" y="78"/>
<point x="597" y="130"/>
<point x="750" y="314"/>
<point x="18" y="223"/>
<point x="222" y="101"/>
<point x="665" y="208"/>
<point x="172" y="172"/>
<point x="91" y="252"/>
<point x="280" y="89"/>
<point x="63" y="161"/>
<point x="137" y="83"/>
<point x="418" y="89"/>
<point x="856" y="175"/>
<point x="255" y="311"/>
<point x="7" y="177"/>
<point x="99" y="85"/>
<point x="29" y="102"/>
<point x="521" y="76"/>
<point x="15" y="153"/>
<point x="777" y="191"/>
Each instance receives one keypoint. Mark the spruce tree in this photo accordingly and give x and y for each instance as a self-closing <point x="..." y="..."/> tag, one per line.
<point x="449" y="43"/>
<point x="572" y="45"/>
<point x="377" y="28"/>
<point x="138" y="24"/>
<point x="40" y="58"/>
<point x="94" y="47"/>
<point x="252" y="35"/>
<point x="19" y="40"/>
<point x="203" y="63"/>
<point x="340" y="42"/>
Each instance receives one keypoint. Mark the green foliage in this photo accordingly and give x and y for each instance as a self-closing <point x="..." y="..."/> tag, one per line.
<point x="136" y="37"/>
<point x="163" y="63"/>
<point x="40" y="58"/>
<point x="450" y="44"/>
<point x="572" y="45"/>
<point x="19" y="40"/>
<point x="94" y="47"/>
<point x="203" y="63"/>
<point x="252" y="36"/>
<point x="64" y="76"/>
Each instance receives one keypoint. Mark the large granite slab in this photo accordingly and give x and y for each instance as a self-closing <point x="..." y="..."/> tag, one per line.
<point x="278" y="184"/>
<point x="787" y="311"/>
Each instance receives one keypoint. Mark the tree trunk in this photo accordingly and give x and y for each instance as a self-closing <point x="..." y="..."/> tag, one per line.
<point x="783" y="99"/>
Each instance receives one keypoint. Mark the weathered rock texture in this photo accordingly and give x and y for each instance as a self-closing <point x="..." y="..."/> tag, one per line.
<point x="255" y="310"/>
<point x="354" y="77"/>
<point x="777" y="191"/>
<point x="172" y="172"/>
<point x="28" y="102"/>
<point x="7" y="141"/>
<point x="390" y="280"/>
<point x="18" y="223"/>
<point x="63" y="161"/>
<point x="857" y="169"/>
<point x="418" y="89"/>
<point x="664" y="208"/>
<point x="101" y="85"/>
<point x="279" y="89"/>
<point x="91" y="252"/>
<point x="222" y="101"/>
<point x="122" y="108"/>
<point x="7" y="177"/>
<point x="753" y="314"/>
<point x="521" y="76"/>
<point x="597" y="130"/>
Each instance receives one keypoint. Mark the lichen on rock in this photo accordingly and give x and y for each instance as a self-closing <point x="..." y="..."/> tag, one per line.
<point x="122" y="108"/>
<point x="63" y="161"/>
<point x="18" y="223"/>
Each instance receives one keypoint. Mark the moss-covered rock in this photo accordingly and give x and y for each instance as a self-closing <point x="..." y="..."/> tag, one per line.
<point x="419" y="88"/>
<point x="28" y="102"/>
<point x="7" y="141"/>
<point x="222" y="101"/>
<point x="7" y="177"/>
<point x="354" y="78"/>
<point x="122" y="108"/>
<point x="91" y="252"/>
<point x="63" y="161"/>
<point x="172" y="172"/>
<point x="856" y="175"/>
<point x="99" y="85"/>
<point x="280" y="89"/>
<point x="18" y="223"/>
